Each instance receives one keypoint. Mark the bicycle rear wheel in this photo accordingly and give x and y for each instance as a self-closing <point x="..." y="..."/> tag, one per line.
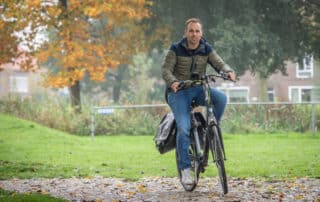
<point x="216" y="148"/>
<point x="194" y="168"/>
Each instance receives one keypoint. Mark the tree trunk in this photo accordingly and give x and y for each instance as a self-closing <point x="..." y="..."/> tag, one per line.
<point x="263" y="89"/>
<point x="63" y="3"/>
<point x="118" y="84"/>
<point x="116" y="91"/>
<point x="75" y="97"/>
<point x="75" y="89"/>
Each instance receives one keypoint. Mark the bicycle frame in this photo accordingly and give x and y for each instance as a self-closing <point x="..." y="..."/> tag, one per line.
<point x="210" y="116"/>
<point x="211" y="136"/>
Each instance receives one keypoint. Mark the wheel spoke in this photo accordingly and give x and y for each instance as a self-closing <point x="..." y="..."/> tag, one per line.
<point x="218" y="157"/>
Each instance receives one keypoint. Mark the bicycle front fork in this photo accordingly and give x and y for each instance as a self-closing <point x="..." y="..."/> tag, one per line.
<point x="211" y="119"/>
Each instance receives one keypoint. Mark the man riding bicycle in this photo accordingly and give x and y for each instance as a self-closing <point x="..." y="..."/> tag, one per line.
<point x="191" y="54"/>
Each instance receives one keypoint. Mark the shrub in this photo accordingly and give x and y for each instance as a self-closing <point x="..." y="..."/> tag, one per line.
<point x="269" y="118"/>
<point x="128" y="121"/>
<point x="56" y="113"/>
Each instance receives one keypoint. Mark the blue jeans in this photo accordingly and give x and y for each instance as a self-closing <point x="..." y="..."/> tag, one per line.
<point x="180" y="104"/>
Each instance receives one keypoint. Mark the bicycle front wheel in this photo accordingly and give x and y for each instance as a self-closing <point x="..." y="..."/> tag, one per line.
<point x="216" y="148"/>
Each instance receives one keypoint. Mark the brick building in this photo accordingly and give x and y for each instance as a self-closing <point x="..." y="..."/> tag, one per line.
<point x="14" y="81"/>
<point x="301" y="84"/>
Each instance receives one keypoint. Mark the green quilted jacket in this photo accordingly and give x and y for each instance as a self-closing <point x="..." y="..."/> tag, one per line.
<point x="180" y="62"/>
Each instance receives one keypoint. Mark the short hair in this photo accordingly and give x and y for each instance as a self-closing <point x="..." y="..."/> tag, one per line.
<point x="192" y="20"/>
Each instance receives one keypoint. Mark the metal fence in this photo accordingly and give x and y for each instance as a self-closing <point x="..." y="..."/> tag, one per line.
<point x="269" y="111"/>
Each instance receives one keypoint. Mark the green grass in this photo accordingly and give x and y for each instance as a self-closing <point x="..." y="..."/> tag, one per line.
<point x="27" y="197"/>
<point x="28" y="150"/>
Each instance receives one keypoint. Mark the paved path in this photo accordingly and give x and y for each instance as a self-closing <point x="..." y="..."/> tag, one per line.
<point x="168" y="189"/>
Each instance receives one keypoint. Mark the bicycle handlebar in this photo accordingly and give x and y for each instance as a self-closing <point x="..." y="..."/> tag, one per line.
<point x="204" y="79"/>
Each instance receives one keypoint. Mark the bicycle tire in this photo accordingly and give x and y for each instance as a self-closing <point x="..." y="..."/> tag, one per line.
<point x="216" y="148"/>
<point x="194" y="168"/>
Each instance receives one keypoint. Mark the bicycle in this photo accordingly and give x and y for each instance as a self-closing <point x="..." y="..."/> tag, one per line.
<point x="205" y="135"/>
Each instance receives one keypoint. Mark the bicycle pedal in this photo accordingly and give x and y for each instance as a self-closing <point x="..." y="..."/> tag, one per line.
<point x="202" y="170"/>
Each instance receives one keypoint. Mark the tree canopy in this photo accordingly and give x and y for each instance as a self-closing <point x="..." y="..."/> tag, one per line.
<point x="90" y="37"/>
<point x="87" y="38"/>
<point x="254" y="35"/>
<point x="84" y="37"/>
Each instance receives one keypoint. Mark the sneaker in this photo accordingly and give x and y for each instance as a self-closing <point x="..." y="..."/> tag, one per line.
<point x="186" y="178"/>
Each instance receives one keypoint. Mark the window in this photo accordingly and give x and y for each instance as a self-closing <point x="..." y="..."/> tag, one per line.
<point x="18" y="84"/>
<point x="270" y="94"/>
<point x="236" y="94"/>
<point x="305" y="70"/>
<point x="300" y="93"/>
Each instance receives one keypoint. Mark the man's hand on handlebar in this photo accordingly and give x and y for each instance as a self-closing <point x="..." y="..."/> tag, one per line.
<point x="232" y="76"/>
<point x="175" y="86"/>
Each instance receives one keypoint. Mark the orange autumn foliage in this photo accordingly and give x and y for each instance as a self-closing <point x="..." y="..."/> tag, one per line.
<point x="8" y="42"/>
<point x="86" y="37"/>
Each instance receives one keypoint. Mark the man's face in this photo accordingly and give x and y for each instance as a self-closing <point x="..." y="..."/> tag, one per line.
<point x="193" y="34"/>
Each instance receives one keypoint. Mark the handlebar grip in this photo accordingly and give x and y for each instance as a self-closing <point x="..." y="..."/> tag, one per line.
<point x="182" y="84"/>
<point x="225" y="75"/>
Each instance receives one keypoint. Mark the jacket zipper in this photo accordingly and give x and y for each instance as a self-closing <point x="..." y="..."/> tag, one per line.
<point x="192" y="63"/>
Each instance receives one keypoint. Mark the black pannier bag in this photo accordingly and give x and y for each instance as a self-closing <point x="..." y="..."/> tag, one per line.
<point x="165" y="138"/>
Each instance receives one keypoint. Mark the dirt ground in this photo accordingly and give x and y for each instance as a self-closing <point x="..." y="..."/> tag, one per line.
<point x="168" y="189"/>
